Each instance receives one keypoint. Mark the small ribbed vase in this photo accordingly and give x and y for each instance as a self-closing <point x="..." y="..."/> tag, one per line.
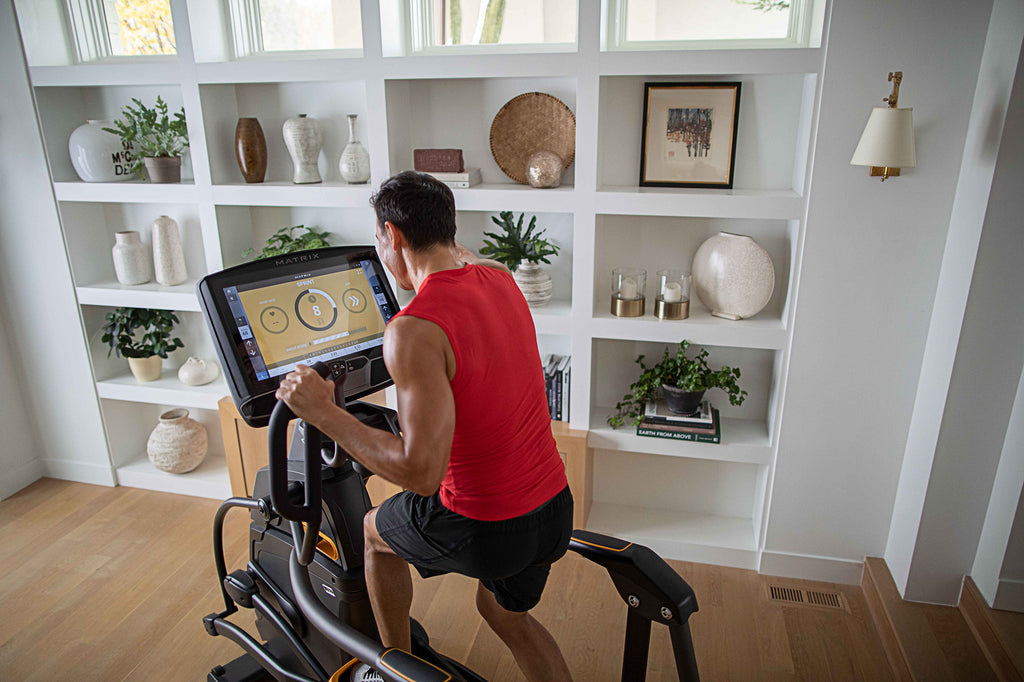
<point x="168" y="258"/>
<point x="251" y="149"/>
<point x="303" y="137"/>
<point x="131" y="258"/>
<point x="535" y="283"/>
<point x="178" y="444"/>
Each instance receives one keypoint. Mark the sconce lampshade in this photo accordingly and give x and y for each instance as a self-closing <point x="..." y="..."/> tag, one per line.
<point x="888" y="140"/>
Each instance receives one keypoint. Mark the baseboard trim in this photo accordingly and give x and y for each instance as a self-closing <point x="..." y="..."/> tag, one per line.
<point x="68" y="470"/>
<point x="878" y="586"/>
<point x="977" y="614"/>
<point x="20" y="477"/>
<point x="809" y="567"/>
<point x="1009" y="595"/>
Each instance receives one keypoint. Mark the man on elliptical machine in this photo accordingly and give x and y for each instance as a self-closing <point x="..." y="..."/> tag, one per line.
<point x="485" y="492"/>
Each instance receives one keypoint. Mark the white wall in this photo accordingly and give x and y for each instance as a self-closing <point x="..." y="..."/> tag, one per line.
<point x="871" y="262"/>
<point x="38" y="297"/>
<point x="20" y="462"/>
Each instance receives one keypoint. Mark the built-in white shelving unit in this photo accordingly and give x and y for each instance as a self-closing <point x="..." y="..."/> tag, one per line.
<point x="688" y="501"/>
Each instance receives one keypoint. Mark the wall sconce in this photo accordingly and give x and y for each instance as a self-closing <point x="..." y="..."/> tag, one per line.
<point x="887" y="143"/>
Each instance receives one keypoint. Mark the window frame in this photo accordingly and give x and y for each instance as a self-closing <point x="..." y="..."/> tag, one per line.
<point x="247" y="37"/>
<point x="90" y="37"/>
<point x="422" y="26"/>
<point x="798" y="35"/>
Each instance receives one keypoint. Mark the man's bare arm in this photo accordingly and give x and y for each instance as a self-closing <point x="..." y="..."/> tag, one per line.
<point x="416" y="353"/>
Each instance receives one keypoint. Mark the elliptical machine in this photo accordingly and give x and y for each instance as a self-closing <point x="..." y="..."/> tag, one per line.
<point x="304" y="577"/>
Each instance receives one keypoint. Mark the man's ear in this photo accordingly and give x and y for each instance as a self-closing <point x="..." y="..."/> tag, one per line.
<point x="395" y="236"/>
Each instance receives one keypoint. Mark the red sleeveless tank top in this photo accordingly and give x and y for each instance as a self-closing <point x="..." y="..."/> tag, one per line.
<point x="504" y="461"/>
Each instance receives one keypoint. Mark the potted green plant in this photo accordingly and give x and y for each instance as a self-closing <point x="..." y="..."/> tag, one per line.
<point x="681" y="380"/>
<point x="285" y="240"/>
<point x="143" y="336"/>
<point x="523" y="252"/>
<point x="160" y="139"/>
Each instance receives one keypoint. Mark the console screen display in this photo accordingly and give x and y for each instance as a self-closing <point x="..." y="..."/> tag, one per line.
<point x="309" y="317"/>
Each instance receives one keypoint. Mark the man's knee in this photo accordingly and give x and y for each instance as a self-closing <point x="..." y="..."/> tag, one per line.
<point x="372" y="539"/>
<point x="497" y="616"/>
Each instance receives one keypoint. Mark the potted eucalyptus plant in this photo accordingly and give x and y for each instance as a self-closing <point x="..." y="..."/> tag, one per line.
<point x="159" y="138"/>
<point x="143" y="336"/>
<point x="523" y="252"/>
<point x="286" y="240"/>
<point x="681" y="380"/>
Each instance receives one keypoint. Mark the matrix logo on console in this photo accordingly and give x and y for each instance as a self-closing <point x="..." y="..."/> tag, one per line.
<point x="296" y="259"/>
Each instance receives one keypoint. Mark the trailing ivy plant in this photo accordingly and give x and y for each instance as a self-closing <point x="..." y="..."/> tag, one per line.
<point x="285" y="241"/>
<point x="679" y="371"/>
<point x="153" y="132"/>
<point x="512" y="245"/>
<point x="140" y="333"/>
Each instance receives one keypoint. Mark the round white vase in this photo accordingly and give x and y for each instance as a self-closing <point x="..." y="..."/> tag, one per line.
<point x="131" y="258"/>
<point x="535" y="283"/>
<point x="733" y="276"/>
<point x="99" y="156"/>
<point x="355" y="161"/>
<point x="196" y="372"/>
<point x="177" y="444"/>
<point x="168" y="258"/>
<point x="303" y="137"/>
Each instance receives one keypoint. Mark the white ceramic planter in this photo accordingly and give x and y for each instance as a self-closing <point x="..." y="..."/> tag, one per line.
<point x="146" y="369"/>
<point x="733" y="276"/>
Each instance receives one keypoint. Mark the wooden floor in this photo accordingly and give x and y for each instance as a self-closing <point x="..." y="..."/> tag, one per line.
<point x="112" y="584"/>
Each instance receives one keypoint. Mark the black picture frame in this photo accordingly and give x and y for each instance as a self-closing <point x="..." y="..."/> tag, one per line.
<point x="700" y="118"/>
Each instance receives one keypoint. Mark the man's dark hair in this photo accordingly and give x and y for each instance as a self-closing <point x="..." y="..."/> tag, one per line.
<point x="419" y="205"/>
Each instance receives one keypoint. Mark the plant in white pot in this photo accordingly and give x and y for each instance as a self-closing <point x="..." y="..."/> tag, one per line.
<point x="159" y="139"/>
<point x="143" y="336"/>
<point x="523" y="252"/>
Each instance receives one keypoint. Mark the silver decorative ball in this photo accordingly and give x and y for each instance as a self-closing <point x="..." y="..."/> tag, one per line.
<point x="544" y="169"/>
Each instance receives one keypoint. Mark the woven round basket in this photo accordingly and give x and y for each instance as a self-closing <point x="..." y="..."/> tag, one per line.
<point x="530" y="123"/>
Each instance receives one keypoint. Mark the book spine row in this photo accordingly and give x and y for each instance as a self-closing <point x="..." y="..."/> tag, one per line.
<point x="557" y="379"/>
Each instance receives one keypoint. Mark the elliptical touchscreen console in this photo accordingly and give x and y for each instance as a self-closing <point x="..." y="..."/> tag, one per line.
<point x="266" y="317"/>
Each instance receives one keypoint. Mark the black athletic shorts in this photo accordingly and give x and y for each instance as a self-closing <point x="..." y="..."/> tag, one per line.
<point x="510" y="558"/>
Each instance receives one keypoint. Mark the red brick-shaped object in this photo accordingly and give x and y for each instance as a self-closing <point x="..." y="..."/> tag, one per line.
<point x="438" y="160"/>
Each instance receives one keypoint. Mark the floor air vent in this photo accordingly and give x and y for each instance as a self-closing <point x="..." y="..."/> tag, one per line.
<point x="795" y="596"/>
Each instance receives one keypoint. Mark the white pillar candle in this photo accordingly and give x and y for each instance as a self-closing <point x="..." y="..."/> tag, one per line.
<point x="627" y="289"/>
<point x="673" y="292"/>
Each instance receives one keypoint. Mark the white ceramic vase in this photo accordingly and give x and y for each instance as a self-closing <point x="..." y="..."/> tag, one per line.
<point x="168" y="258"/>
<point x="99" y="156"/>
<point x="355" y="161"/>
<point x="303" y="137"/>
<point x="131" y="258"/>
<point x="535" y="283"/>
<point x="733" y="276"/>
<point x="196" y="372"/>
<point x="178" y="444"/>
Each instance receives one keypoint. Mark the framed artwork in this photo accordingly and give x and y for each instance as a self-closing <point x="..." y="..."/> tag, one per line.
<point x="689" y="137"/>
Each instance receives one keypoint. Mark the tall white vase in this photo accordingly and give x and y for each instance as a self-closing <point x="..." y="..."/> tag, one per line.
<point x="131" y="258"/>
<point x="355" y="161"/>
<point x="733" y="276"/>
<point x="168" y="258"/>
<point x="99" y="156"/>
<point x="303" y="137"/>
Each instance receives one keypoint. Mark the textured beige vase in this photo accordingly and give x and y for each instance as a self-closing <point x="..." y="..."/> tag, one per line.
<point x="177" y="444"/>
<point x="146" y="369"/>
<point x="733" y="275"/>
<point x="168" y="257"/>
<point x="535" y="284"/>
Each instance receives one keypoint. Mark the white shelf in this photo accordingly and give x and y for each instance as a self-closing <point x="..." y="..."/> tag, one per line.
<point x="149" y="295"/>
<point x="553" y="318"/>
<point x="725" y="203"/>
<point x="500" y="196"/>
<point x="85" y="75"/>
<point x="210" y="479"/>
<point x="701" y="328"/>
<point x="166" y="390"/>
<point x="278" y="193"/>
<point x="682" y="536"/>
<point x="134" y="191"/>
<point x="743" y="440"/>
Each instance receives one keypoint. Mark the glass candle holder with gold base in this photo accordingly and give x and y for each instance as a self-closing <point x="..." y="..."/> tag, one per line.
<point x="628" y="285"/>
<point x="673" y="299"/>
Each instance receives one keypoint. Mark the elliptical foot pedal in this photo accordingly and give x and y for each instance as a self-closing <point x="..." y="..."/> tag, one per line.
<point x="242" y="669"/>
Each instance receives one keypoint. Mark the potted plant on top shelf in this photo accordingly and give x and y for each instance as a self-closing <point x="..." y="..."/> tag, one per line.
<point x="681" y="380"/>
<point x="285" y="241"/>
<point x="143" y="336"/>
<point x="160" y="139"/>
<point x="522" y="252"/>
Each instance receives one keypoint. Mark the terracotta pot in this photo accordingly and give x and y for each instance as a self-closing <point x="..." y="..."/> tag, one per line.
<point x="163" y="169"/>
<point x="251" y="149"/>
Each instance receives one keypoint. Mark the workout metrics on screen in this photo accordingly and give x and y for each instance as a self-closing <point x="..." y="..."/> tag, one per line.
<point x="309" y="317"/>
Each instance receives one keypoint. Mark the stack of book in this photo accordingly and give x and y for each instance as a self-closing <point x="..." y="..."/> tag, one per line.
<point x="467" y="178"/>
<point x="703" y="426"/>
<point x="557" y="370"/>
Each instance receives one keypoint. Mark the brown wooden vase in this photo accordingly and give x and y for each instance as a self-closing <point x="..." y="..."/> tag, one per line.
<point x="251" y="149"/>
